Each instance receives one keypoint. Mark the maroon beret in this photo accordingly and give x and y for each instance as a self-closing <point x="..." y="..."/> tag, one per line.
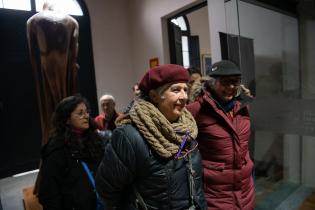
<point x="161" y="75"/>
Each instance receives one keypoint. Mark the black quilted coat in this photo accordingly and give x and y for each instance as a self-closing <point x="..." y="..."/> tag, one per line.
<point x="129" y="165"/>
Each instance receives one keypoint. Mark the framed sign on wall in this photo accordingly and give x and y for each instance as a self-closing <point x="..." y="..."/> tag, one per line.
<point x="154" y="62"/>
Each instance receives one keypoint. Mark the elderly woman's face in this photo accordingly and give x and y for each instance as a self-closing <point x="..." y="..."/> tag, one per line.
<point x="171" y="101"/>
<point x="79" y="118"/>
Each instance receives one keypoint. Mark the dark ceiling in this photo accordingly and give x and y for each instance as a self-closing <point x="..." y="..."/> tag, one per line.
<point x="297" y="7"/>
<point x="286" y="5"/>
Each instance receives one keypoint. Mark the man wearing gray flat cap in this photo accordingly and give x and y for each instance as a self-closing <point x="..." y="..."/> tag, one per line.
<point x="224" y="131"/>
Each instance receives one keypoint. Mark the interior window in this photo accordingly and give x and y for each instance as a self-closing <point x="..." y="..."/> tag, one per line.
<point x="185" y="51"/>
<point x="70" y="7"/>
<point x="180" y="21"/>
<point x="16" y="4"/>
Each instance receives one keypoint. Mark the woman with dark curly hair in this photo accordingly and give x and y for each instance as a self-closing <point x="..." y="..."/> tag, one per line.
<point x="73" y="144"/>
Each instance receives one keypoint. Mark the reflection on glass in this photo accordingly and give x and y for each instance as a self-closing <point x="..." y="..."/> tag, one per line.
<point x="16" y="4"/>
<point x="70" y="7"/>
<point x="283" y="139"/>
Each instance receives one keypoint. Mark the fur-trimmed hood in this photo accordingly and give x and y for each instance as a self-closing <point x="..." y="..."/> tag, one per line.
<point x="198" y="89"/>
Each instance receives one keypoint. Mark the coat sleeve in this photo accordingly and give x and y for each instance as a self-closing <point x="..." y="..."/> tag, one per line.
<point x="117" y="170"/>
<point x="51" y="180"/>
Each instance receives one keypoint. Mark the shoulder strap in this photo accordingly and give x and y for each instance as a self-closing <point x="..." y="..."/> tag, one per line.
<point x="191" y="182"/>
<point x="99" y="202"/>
<point x="92" y="181"/>
<point x="140" y="199"/>
<point x="88" y="172"/>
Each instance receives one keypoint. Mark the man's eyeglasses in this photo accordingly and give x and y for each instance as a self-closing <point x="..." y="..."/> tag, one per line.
<point x="227" y="81"/>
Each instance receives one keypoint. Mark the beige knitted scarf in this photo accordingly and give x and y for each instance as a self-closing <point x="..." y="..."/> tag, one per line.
<point x="164" y="137"/>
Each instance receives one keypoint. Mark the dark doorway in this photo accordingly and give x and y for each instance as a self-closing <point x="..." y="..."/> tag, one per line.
<point x="20" y="133"/>
<point x="175" y="44"/>
<point x="194" y="51"/>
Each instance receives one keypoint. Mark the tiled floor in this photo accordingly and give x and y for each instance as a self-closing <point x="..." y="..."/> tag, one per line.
<point x="295" y="199"/>
<point x="11" y="191"/>
<point x="309" y="203"/>
<point x="278" y="196"/>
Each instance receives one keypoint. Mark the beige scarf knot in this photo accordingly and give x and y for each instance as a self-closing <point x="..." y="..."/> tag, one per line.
<point x="164" y="137"/>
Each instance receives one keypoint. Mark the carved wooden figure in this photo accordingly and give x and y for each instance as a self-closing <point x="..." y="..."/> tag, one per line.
<point x="53" y="46"/>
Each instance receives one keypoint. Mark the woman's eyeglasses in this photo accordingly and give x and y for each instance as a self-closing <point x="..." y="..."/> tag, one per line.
<point x="82" y="114"/>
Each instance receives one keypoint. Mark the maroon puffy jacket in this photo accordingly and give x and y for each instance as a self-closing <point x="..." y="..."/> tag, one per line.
<point x="223" y="143"/>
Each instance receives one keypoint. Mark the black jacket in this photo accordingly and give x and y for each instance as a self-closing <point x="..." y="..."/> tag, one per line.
<point x="64" y="185"/>
<point x="130" y="164"/>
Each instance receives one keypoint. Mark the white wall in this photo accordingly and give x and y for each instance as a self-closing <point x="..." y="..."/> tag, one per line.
<point x="125" y="35"/>
<point x="199" y="25"/>
<point x="148" y="38"/>
<point x="217" y="22"/>
<point x="110" y="27"/>
<point x="232" y="17"/>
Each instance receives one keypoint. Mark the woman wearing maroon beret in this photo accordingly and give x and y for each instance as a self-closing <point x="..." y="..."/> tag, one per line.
<point x="152" y="160"/>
